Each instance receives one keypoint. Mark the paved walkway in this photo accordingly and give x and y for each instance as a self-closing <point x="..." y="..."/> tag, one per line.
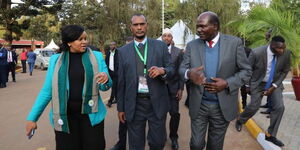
<point x="289" y="130"/>
<point x="17" y="99"/>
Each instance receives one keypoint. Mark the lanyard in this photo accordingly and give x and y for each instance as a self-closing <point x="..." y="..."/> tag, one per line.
<point x="143" y="59"/>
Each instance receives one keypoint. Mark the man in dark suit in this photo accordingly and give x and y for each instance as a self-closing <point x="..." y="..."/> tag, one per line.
<point x="3" y="66"/>
<point x="12" y="60"/>
<point x="111" y="59"/>
<point x="175" y="87"/>
<point x="121" y="144"/>
<point x="144" y="67"/>
<point x="213" y="102"/>
<point x="270" y="65"/>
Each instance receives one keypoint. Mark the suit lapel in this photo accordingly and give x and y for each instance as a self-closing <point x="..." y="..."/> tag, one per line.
<point x="173" y="52"/>
<point x="200" y="48"/>
<point x="150" y="53"/>
<point x="133" y="60"/>
<point x="222" y="49"/>
<point x="265" y="58"/>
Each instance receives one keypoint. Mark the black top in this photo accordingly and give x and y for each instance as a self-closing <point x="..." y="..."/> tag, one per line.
<point x="76" y="81"/>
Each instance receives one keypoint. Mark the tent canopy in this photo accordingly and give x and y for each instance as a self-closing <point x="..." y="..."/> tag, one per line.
<point x="181" y="34"/>
<point x="52" y="46"/>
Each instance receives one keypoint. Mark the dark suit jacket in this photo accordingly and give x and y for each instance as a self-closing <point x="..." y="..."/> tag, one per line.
<point x="14" y="57"/>
<point x="233" y="67"/>
<point x="258" y="60"/>
<point x="128" y="78"/>
<point x="114" y="73"/>
<point x="3" y="56"/>
<point x="176" y="83"/>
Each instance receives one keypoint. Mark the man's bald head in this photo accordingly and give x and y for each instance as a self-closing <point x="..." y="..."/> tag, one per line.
<point x="212" y="18"/>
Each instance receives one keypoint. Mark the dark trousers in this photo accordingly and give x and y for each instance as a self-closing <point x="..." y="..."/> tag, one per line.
<point x="156" y="135"/>
<point x="83" y="136"/>
<point x="114" y="86"/>
<point x="244" y="95"/>
<point x="175" y="117"/>
<point x="122" y="136"/>
<point x="187" y="85"/>
<point x="24" y="65"/>
<point x="3" y="75"/>
<point x="11" y="68"/>
<point x="209" y="118"/>
<point x="277" y="107"/>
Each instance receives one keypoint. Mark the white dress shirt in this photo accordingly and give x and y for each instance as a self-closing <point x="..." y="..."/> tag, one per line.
<point x="270" y="56"/>
<point x="215" y="41"/>
<point x="111" y="60"/>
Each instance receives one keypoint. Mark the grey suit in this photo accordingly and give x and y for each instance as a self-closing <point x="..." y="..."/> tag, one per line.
<point x="235" y="69"/>
<point x="140" y="110"/>
<point x="258" y="61"/>
<point x="175" y="84"/>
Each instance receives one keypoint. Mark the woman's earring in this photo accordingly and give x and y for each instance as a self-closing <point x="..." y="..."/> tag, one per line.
<point x="69" y="45"/>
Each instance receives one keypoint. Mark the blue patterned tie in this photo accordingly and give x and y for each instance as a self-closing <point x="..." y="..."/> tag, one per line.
<point x="268" y="84"/>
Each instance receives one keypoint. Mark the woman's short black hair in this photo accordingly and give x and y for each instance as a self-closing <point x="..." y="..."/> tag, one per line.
<point x="70" y="33"/>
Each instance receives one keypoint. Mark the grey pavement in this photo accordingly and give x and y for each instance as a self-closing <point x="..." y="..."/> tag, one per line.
<point x="17" y="99"/>
<point x="289" y="130"/>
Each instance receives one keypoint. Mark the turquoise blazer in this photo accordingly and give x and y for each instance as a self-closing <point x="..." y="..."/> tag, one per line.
<point x="45" y="94"/>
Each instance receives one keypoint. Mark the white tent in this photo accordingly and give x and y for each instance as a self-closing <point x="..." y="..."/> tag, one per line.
<point x="181" y="34"/>
<point x="52" y="46"/>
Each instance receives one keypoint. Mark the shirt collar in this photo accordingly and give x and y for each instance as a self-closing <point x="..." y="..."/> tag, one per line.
<point x="169" y="47"/>
<point x="269" y="52"/>
<point x="143" y="42"/>
<point x="215" y="40"/>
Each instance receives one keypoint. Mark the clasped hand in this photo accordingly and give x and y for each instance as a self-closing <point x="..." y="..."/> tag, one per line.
<point x="102" y="77"/>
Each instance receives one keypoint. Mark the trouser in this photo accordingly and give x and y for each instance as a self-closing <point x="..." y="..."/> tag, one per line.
<point x="83" y="136"/>
<point x="277" y="107"/>
<point x="11" y="68"/>
<point x="156" y="135"/>
<point x="114" y="86"/>
<point x="24" y="65"/>
<point x="175" y="117"/>
<point x="122" y="136"/>
<point x="244" y="95"/>
<point x="31" y="66"/>
<point x="3" y="74"/>
<point x="209" y="117"/>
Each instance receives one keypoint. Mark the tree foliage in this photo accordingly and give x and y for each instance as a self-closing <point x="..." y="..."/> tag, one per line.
<point x="9" y="15"/>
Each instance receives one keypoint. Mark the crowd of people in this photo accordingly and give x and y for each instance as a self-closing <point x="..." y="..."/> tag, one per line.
<point x="9" y="61"/>
<point x="147" y="78"/>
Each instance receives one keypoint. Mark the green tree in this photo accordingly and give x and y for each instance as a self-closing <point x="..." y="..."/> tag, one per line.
<point x="227" y="10"/>
<point x="261" y="19"/>
<point x="9" y="16"/>
<point x="43" y="27"/>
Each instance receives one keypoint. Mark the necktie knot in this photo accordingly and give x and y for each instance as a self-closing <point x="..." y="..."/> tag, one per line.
<point x="210" y="43"/>
<point x="141" y="45"/>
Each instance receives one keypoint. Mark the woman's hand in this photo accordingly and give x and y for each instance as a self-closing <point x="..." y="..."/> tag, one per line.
<point x="30" y="125"/>
<point x="102" y="77"/>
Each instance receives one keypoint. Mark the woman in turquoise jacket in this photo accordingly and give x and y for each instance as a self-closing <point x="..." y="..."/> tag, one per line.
<point x="72" y="85"/>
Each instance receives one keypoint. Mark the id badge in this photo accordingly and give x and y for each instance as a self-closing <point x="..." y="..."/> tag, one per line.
<point x="143" y="86"/>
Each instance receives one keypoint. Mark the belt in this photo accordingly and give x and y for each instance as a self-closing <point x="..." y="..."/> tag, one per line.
<point x="143" y="95"/>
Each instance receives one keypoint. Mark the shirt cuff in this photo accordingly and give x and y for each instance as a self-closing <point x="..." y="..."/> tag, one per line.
<point x="273" y="84"/>
<point x="185" y="74"/>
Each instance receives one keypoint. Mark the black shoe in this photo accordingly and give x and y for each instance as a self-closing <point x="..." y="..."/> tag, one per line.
<point x="118" y="147"/>
<point x="175" y="145"/>
<point x="109" y="103"/>
<point x="238" y="125"/>
<point x="30" y="73"/>
<point x="274" y="140"/>
<point x="264" y="106"/>
<point x="14" y="80"/>
<point x="265" y="112"/>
